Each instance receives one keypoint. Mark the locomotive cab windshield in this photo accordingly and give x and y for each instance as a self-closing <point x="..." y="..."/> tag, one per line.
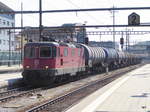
<point x="44" y="52"/>
<point x="29" y="52"/>
<point x="47" y="52"/>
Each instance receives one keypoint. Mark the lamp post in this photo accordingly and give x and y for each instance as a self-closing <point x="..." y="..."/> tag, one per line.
<point x="21" y="32"/>
<point x="40" y="20"/>
<point x="9" y="32"/>
<point x="113" y="27"/>
<point x="113" y="16"/>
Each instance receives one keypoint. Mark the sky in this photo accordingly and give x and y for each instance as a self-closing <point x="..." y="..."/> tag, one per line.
<point x="90" y="18"/>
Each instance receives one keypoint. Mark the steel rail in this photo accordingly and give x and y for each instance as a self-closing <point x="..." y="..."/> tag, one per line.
<point x="19" y="95"/>
<point x="12" y="91"/>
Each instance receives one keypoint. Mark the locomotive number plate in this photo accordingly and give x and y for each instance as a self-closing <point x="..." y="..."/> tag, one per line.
<point x="36" y="63"/>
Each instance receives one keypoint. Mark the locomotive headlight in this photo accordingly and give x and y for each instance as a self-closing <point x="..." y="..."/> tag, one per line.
<point x="27" y="66"/>
<point x="46" y="67"/>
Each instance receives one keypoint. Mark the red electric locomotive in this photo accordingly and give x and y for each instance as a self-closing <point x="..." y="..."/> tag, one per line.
<point x="46" y="62"/>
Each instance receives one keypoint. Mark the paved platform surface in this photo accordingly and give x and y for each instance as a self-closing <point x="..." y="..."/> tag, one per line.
<point x="12" y="68"/>
<point x="9" y="79"/>
<point x="129" y="93"/>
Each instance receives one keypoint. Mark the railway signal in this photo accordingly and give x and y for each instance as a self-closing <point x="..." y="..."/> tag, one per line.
<point x="122" y="42"/>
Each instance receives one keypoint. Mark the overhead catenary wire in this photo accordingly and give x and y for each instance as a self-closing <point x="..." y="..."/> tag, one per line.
<point x="85" y="12"/>
<point x="75" y="10"/>
<point x="82" y="26"/>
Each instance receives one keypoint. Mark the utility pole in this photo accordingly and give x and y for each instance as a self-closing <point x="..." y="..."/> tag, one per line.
<point x="9" y="63"/>
<point x="21" y="32"/>
<point x="113" y="16"/>
<point x="126" y="39"/>
<point x="100" y="37"/>
<point x="113" y="27"/>
<point x="40" y="20"/>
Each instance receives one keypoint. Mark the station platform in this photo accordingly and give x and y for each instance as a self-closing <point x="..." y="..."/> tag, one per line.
<point x="12" y="68"/>
<point x="129" y="93"/>
<point x="10" y="79"/>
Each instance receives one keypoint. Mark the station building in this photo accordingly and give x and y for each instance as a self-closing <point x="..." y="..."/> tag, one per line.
<point x="66" y="32"/>
<point x="107" y="44"/>
<point x="142" y="48"/>
<point x="7" y="37"/>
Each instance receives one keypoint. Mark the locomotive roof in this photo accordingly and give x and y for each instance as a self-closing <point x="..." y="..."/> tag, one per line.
<point x="52" y="44"/>
<point x="43" y="43"/>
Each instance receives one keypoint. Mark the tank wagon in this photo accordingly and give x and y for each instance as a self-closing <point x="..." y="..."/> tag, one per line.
<point x="46" y="62"/>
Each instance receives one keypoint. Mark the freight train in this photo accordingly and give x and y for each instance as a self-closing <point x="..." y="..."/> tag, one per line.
<point x="46" y="62"/>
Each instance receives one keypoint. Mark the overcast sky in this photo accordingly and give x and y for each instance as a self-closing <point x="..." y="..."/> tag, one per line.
<point x="91" y="18"/>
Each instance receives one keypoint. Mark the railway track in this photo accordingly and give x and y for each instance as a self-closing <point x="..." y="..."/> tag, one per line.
<point x="11" y="91"/>
<point x="3" y="89"/>
<point x="15" y="93"/>
<point x="60" y="103"/>
<point x="8" y="95"/>
<point x="67" y="90"/>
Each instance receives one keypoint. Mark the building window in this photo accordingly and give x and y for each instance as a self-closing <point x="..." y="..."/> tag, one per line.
<point x="1" y="10"/>
<point x="12" y="24"/>
<point x="8" y="23"/>
<point x="4" y="22"/>
<point x="4" y="32"/>
<point x="7" y="32"/>
<point x="13" y="43"/>
<point x="4" y="42"/>
<point x="12" y="16"/>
